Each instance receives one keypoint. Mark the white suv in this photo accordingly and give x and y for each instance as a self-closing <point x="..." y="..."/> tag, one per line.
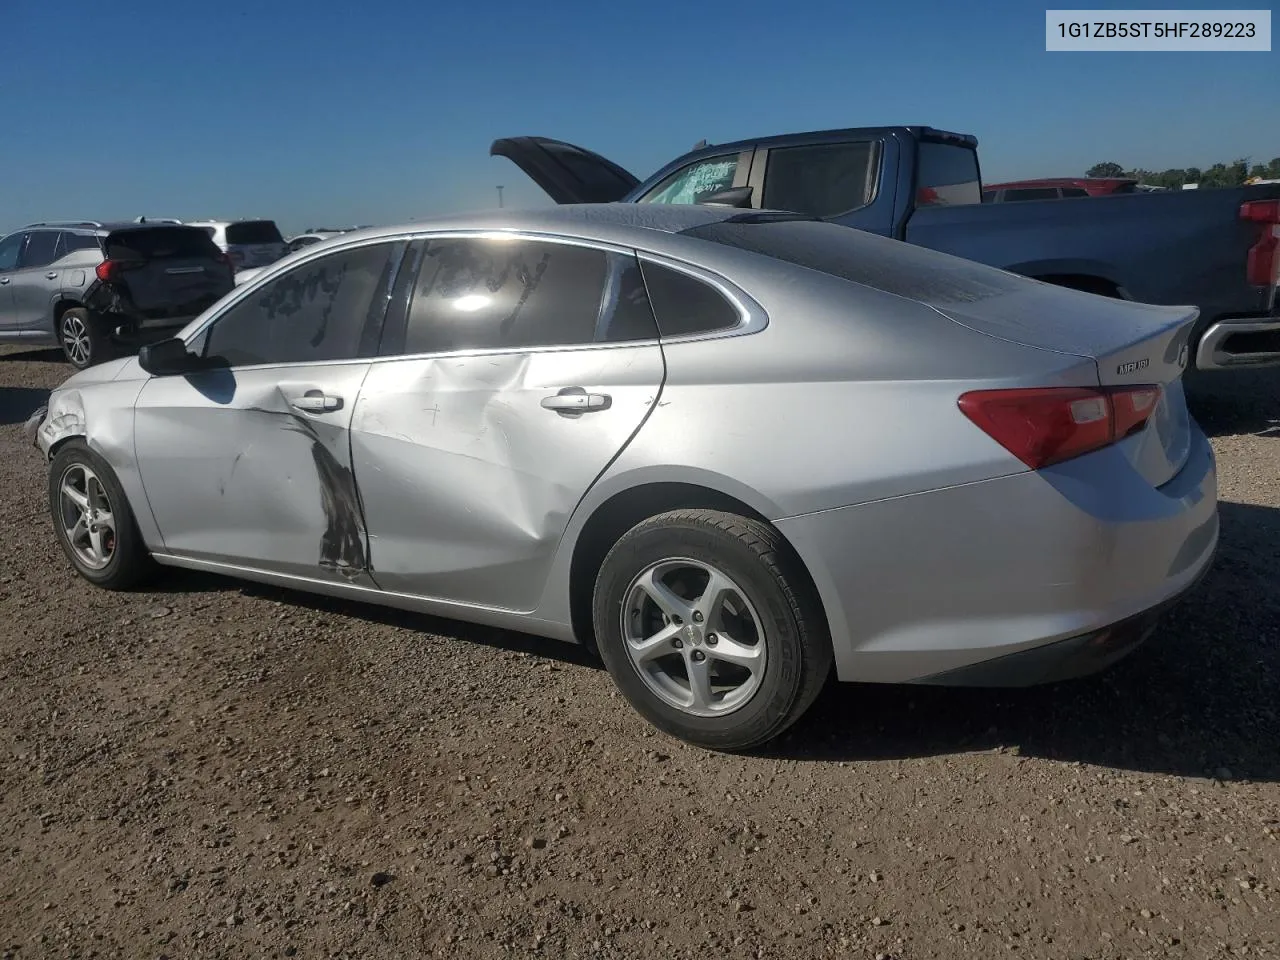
<point x="249" y="243"/>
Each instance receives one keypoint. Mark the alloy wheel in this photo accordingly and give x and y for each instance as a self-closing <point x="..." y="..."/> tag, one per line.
<point x="694" y="637"/>
<point x="87" y="518"/>
<point x="75" y="339"/>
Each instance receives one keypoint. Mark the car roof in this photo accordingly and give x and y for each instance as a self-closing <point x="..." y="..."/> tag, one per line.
<point x="97" y="226"/>
<point x="584" y="220"/>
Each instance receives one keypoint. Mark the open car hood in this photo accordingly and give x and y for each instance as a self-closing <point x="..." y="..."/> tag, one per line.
<point x="567" y="173"/>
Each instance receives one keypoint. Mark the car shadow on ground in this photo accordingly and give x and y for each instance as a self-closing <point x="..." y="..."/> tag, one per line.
<point x="175" y="580"/>
<point x="18" y="403"/>
<point x="18" y="353"/>
<point x="1200" y="698"/>
<point x="1236" y="402"/>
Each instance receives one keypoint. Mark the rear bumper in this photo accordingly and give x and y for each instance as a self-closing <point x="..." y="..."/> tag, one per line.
<point x="1068" y="659"/>
<point x="1239" y="342"/>
<point x="1055" y="564"/>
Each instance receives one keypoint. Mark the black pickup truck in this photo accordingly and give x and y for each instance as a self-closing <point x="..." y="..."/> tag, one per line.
<point x="1216" y="249"/>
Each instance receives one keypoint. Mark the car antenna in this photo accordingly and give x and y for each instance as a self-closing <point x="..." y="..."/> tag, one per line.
<point x="700" y="144"/>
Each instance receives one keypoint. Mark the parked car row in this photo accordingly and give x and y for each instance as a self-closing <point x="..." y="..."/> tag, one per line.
<point x="96" y="288"/>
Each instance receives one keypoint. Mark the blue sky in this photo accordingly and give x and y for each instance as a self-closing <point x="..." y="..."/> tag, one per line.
<point x="323" y="112"/>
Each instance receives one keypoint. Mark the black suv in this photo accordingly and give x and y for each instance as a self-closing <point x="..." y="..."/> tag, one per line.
<point x="97" y="289"/>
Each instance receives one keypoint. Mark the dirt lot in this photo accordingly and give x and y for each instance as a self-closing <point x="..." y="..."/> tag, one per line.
<point x="223" y="770"/>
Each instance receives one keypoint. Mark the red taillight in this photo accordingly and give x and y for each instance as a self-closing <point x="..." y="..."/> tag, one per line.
<point x="107" y="269"/>
<point x="1261" y="211"/>
<point x="1263" y="264"/>
<point x="1042" y="426"/>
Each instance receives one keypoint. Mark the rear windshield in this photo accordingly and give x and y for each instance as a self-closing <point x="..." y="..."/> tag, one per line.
<point x="947" y="174"/>
<point x="253" y="231"/>
<point x="891" y="266"/>
<point x="160" y="243"/>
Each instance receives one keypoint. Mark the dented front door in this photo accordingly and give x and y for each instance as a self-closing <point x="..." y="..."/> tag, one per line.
<point x="252" y="467"/>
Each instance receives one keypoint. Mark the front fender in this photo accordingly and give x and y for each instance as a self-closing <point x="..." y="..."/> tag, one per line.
<point x="104" y="420"/>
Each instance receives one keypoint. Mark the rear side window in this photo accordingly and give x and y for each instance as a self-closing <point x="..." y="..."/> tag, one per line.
<point x="685" y="305"/>
<point x="482" y="294"/>
<point x="1074" y="192"/>
<point x="822" y="179"/>
<point x="947" y="173"/>
<point x="160" y="243"/>
<point x="317" y="311"/>
<point x="252" y="232"/>
<point x="1032" y="193"/>
<point x="71" y="242"/>
<point x="41" y="248"/>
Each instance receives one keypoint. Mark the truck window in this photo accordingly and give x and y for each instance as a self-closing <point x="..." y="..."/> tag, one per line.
<point x="947" y="173"/>
<point x="1074" y="192"/>
<point x="1032" y="193"/>
<point x="822" y="179"/>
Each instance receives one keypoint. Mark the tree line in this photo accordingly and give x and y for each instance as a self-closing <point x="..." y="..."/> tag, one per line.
<point x="1219" y="175"/>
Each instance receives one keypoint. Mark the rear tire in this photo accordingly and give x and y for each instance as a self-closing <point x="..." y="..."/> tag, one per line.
<point x="93" y="521"/>
<point x="727" y="667"/>
<point x="85" y="339"/>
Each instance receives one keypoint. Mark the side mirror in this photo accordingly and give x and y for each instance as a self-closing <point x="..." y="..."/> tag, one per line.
<point x="167" y="357"/>
<point x="733" y="197"/>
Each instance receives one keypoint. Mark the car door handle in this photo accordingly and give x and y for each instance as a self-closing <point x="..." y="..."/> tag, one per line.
<point x="316" y="402"/>
<point x="51" y="275"/>
<point x="4" y="281"/>
<point x="576" y="400"/>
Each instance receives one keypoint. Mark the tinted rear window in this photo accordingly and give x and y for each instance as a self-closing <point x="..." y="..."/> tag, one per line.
<point x="947" y="174"/>
<point x="253" y="231"/>
<point x="1074" y="192"/>
<point x="887" y="265"/>
<point x="160" y="243"/>
<point x="821" y="179"/>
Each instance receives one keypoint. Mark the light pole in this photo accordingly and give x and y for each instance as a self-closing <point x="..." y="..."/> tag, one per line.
<point x="499" y="196"/>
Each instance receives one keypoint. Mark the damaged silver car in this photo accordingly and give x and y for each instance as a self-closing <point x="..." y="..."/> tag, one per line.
<point x="731" y="450"/>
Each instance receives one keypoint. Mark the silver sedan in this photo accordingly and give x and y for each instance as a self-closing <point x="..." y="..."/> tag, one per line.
<point x="731" y="451"/>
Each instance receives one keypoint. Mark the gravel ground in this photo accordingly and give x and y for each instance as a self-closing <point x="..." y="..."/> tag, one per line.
<point x="225" y="770"/>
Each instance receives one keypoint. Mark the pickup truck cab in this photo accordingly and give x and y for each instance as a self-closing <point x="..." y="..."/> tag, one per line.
<point x="1218" y="250"/>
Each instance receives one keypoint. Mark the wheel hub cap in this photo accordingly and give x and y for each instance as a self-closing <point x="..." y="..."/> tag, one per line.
<point x="694" y="637"/>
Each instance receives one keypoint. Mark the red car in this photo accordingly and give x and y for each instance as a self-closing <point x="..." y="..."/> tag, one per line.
<point x="1056" y="188"/>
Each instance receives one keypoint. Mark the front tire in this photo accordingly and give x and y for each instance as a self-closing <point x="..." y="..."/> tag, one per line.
<point x="710" y="627"/>
<point x="85" y="339"/>
<point x="93" y="521"/>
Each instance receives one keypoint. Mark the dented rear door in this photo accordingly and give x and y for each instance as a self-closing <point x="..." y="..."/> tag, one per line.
<point x="516" y="372"/>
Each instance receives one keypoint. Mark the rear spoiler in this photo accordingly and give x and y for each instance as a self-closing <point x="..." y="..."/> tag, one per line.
<point x="942" y="136"/>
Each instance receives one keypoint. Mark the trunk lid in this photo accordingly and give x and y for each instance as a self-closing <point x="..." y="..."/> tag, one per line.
<point x="569" y="174"/>
<point x="164" y="272"/>
<point x="1130" y="343"/>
